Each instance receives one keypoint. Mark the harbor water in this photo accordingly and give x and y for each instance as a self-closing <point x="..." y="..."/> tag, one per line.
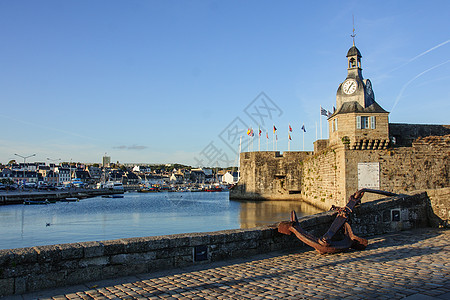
<point x="136" y="215"/>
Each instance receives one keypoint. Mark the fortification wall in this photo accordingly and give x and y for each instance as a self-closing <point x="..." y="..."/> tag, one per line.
<point x="424" y="166"/>
<point x="323" y="181"/>
<point x="405" y="134"/>
<point x="268" y="175"/>
<point x="36" y="268"/>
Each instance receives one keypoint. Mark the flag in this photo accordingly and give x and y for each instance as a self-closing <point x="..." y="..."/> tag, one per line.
<point x="334" y="109"/>
<point x="289" y="137"/>
<point x="303" y="128"/>
<point x="274" y="129"/>
<point x="252" y="133"/>
<point x="290" y="128"/>
<point x="329" y="113"/>
<point x="323" y="112"/>
<point x="267" y="135"/>
<point x="276" y="136"/>
<point x="259" y="131"/>
<point x="249" y="131"/>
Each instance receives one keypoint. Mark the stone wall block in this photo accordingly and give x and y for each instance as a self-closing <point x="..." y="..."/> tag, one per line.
<point x="25" y="255"/>
<point x="94" y="261"/>
<point x="6" y="256"/>
<point x="176" y="241"/>
<point x="44" y="281"/>
<point x="92" y="249"/>
<point x="160" y="264"/>
<point x="144" y="244"/>
<point x="131" y="258"/>
<point x="217" y="237"/>
<point x="85" y="274"/>
<point x="180" y="251"/>
<point x="112" y="247"/>
<point x="20" y="285"/>
<point x="163" y="254"/>
<point x="50" y="253"/>
<point x="71" y="251"/>
<point x="6" y="286"/>
<point x="199" y="239"/>
<point x="254" y="234"/>
<point x="237" y="235"/>
<point x="183" y="260"/>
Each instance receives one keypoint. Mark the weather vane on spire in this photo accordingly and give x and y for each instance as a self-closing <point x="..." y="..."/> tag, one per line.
<point x="354" y="34"/>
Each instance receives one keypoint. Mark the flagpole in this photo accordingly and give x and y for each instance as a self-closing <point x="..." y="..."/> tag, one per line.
<point x="289" y="143"/>
<point x="316" y="131"/>
<point x="276" y="143"/>
<point x="259" y="139"/>
<point x="320" y="122"/>
<point x="303" y="139"/>
<point x="273" y="138"/>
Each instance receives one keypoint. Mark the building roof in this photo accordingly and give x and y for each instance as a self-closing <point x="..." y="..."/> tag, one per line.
<point x="353" y="51"/>
<point x="355" y="107"/>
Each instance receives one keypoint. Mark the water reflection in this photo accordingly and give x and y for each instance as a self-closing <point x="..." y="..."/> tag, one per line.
<point x="260" y="213"/>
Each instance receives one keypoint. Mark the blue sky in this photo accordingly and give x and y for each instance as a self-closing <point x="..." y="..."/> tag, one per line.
<point x="169" y="81"/>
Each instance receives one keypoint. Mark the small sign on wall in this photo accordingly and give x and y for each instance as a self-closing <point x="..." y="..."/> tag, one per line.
<point x="368" y="175"/>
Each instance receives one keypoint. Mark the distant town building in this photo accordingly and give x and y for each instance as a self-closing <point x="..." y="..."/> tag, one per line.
<point x="63" y="174"/>
<point x="106" y="161"/>
<point x="230" y="177"/>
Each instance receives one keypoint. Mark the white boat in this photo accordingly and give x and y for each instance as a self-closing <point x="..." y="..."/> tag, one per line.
<point x="114" y="185"/>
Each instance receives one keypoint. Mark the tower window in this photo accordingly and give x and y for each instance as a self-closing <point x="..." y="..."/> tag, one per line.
<point x="335" y="124"/>
<point x="352" y="63"/>
<point x="363" y="122"/>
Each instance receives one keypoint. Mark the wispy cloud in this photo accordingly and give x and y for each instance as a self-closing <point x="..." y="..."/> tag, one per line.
<point x="420" y="55"/>
<point x="132" y="147"/>
<point x="414" y="78"/>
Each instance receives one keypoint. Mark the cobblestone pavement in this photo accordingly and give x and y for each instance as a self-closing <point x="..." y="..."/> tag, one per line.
<point x="411" y="264"/>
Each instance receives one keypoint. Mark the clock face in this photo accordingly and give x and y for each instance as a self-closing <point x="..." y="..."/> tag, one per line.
<point x="349" y="86"/>
<point x="368" y="87"/>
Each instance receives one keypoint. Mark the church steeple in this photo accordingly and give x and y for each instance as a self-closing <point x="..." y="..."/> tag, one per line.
<point x="354" y="62"/>
<point x="354" y="58"/>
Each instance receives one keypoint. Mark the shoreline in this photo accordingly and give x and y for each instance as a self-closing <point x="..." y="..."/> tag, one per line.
<point x="18" y="197"/>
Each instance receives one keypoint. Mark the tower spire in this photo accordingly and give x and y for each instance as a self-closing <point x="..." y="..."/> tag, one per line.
<point x="353" y="35"/>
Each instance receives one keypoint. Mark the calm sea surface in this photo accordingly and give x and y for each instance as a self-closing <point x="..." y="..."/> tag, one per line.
<point x="136" y="215"/>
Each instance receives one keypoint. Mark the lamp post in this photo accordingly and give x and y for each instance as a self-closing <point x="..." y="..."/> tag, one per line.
<point x="24" y="161"/>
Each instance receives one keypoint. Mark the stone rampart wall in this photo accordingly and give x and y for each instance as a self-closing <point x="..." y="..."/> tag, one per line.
<point x="403" y="170"/>
<point x="37" y="268"/>
<point x="322" y="179"/>
<point x="405" y="134"/>
<point x="268" y="175"/>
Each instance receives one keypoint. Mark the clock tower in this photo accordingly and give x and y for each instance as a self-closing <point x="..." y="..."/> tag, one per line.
<point x="358" y="122"/>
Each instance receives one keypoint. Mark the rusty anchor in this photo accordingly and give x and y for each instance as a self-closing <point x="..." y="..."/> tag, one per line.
<point x="326" y="243"/>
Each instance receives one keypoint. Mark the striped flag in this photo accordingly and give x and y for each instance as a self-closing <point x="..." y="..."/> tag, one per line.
<point x="323" y="112"/>
<point x="290" y="128"/>
<point x="274" y="129"/>
<point x="289" y="137"/>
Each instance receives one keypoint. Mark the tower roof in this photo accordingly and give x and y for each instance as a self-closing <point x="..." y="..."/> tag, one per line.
<point x="353" y="51"/>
